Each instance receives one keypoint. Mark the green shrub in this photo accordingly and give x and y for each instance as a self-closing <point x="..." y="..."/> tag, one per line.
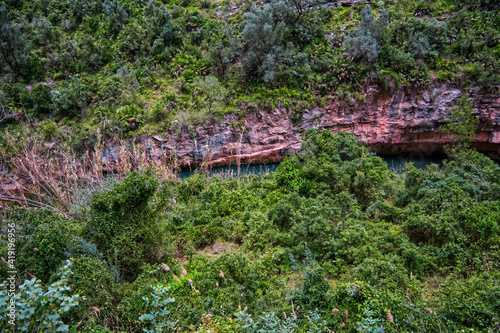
<point x="70" y="98"/>
<point x="94" y="282"/>
<point x="313" y="293"/>
<point x="445" y="76"/>
<point x="157" y="312"/>
<point x="122" y="224"/>
<point x="330" y="164"/>
<point x="463" y="124"/>
<point x="387" y="275"/>
<point x="42" y="99"/>
<point x="262" y="39"/>
<point x="364" y="43"/>
<point x="471" y="302"/>
<point x="41" y="242"/>
<point x="15" y="46"/>
<point x="39" y="308"/>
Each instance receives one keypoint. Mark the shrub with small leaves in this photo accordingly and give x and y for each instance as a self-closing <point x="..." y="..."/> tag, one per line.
<point x="156" y="320"/>
<point x="40" y="308"/>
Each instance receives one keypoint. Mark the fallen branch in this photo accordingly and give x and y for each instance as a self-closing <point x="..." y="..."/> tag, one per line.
<point x="32" y="203"/>
<point x="8" y="116"/>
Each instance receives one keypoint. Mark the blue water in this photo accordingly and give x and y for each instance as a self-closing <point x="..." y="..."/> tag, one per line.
<point x="394" y="162"/>
<point x="420" y="160"/>
<point x="256" y="169"/>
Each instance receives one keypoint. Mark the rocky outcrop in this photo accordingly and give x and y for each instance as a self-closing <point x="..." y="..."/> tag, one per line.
<point x="405" y="120"/>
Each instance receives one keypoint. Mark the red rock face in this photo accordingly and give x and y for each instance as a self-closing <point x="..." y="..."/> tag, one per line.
<point x="409" y="119"/>
<point x="403" y="121"/>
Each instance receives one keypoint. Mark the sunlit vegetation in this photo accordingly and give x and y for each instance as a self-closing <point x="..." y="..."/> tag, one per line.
<point x="123" y="68"/>
<point x="332" y="239"/>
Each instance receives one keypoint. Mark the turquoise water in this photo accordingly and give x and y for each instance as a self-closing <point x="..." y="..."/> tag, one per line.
<point x="256" y="169"/>
<point x="394" y="162"/>
<point x="420" y="160"/>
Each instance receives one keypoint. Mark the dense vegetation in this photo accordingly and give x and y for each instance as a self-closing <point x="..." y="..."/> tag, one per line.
<point x="332" y="239"/>
<point x="89" y="68"/>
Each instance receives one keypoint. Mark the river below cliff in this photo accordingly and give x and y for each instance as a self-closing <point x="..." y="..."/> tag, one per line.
<point x="394" y="162"/>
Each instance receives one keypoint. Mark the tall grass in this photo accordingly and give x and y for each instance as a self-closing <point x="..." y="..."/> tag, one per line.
<point x="35" y="173"/>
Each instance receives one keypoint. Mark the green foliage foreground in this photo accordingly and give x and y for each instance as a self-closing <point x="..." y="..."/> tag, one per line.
<point x="332" y="240"/>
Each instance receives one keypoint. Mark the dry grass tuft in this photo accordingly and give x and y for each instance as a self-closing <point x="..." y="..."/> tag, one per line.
<point x="35" y="173"/>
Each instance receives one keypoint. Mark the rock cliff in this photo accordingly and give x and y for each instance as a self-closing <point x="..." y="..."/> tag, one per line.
<point x="406" y="120"/>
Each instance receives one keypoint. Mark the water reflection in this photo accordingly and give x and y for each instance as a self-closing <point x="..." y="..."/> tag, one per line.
<point x="394" y="162"/>
<point x="420" y="160"/>
<point x="255" y="169"/>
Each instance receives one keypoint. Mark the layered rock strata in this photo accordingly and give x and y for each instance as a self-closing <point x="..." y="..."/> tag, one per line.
<point x="406" y="120"/>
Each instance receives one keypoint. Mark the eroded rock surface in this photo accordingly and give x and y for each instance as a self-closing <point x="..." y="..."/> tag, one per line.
<point x="405" y="120"/>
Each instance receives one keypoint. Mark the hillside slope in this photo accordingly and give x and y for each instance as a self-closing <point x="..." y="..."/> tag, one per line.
<point x="85" y="72"/>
